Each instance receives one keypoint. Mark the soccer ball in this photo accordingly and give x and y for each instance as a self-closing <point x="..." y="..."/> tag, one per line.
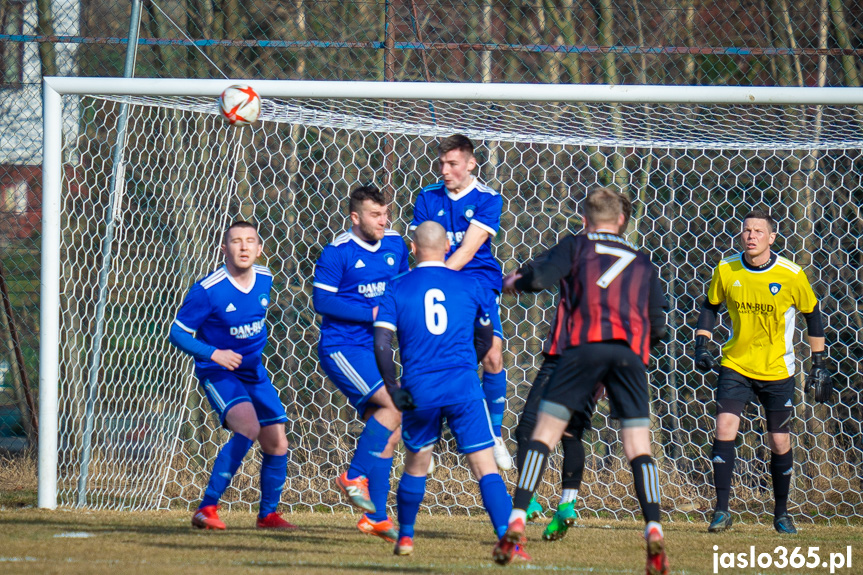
<point x="240" y="105"/>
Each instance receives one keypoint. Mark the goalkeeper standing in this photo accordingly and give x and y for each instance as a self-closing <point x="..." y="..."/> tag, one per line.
<point x="762" y="292"/>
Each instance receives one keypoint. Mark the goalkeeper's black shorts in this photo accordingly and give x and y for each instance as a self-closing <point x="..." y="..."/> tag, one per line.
<point x="734" y="388"/>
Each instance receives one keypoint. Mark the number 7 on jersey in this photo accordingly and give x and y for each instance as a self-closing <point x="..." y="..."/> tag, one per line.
<point x="625" y="258"/>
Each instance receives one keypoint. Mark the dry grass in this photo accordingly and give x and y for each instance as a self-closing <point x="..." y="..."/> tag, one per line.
<point x="38" y="541"/>
<point x="17" y="480"/>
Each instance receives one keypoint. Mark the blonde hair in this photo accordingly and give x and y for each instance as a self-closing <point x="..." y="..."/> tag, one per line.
<point x="602" y="205"/>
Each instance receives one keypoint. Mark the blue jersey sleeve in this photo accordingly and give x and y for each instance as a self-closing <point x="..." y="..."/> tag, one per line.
<point x="387" y="310"/>
<point x="186" y="342"/>
<point x="193" y="313"/>
<point x="195" y="310"/>
<point x="329" y="304"/>
<point x="487" y="214"/>
<point x="328" y="270"/>
<point x="421" y="211"/>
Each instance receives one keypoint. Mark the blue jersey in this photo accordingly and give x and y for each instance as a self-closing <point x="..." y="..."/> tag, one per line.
<point x="434" y="310"/>
<point x="357" y="273"/>
<point x="478" y="205"/>
<point x="223" y="315"/>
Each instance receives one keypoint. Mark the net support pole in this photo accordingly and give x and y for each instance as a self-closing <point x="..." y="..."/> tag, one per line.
<point x="116" y="181"/>
<point x="49" y="316"/>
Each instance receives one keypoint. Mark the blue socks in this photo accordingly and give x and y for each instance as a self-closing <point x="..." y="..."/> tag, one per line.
<point x="496" y="501"/>
<point x="274" y="470"/>
<point x="494" y="388"/>
<point x="226" y="465"/>
<point x="379" y="488"/>
<point x="370" y="445"/>
<point x="409" y="496"/>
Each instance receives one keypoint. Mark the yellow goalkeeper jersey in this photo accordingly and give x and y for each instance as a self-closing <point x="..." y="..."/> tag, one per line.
<point x="763" y="306"/>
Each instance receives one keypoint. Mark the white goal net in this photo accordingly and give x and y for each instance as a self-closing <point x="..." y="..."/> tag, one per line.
<point x="135" y="431"/>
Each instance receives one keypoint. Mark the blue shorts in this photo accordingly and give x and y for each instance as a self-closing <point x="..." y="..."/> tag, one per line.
<point x="469" y="422"/>
<point x="494" y="306"/>
<point x="355" y="373"/>
<point x="224" y="390"/>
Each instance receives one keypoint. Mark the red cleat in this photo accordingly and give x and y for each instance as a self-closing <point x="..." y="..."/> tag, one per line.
<point x="657" y="560"/>
<point x="405" y="546"/>
<point x="207" y="517"/>
<point x="510" y="546"/>
<point x="274" y="521"/>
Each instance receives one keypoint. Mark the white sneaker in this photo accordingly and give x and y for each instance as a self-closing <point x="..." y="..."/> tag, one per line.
<point x="501" y="455"/>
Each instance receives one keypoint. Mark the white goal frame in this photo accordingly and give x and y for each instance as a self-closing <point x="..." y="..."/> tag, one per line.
<point x="55" y="87"/>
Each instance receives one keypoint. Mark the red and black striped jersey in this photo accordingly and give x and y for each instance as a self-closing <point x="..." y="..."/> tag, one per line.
<point x="609" y="291"/>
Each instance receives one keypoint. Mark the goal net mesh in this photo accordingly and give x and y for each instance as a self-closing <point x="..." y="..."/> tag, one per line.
<point x="691" y="171"/>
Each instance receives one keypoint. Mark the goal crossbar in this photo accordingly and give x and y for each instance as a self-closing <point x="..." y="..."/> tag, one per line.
<point x="55" y="87"/>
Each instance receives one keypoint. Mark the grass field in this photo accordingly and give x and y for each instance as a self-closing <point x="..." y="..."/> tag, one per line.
<point x="70" y="542"/>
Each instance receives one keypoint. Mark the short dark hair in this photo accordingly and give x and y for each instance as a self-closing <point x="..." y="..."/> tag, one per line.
<point x="603" y="205"/>
<point x="363" y="193"/>
<point x="240" y="224"/>
<point x="455" y="142"/>
<point x="761" y="215"/>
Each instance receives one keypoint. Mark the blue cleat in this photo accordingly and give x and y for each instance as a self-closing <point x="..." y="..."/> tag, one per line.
<point x="721" y="522"/>
<point x="783" y="524"/>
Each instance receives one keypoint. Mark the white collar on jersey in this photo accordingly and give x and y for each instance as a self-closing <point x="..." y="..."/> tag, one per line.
<point x="237" y="285"/>
<point x="430" y="264"/>
<point x="364" y="244"/>
<point x="464" y="192"/>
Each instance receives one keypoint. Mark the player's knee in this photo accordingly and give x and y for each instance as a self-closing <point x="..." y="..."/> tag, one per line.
<point x="250" y="429"/>
<point x="394" y="439"/>
<point x="780" y="442"/>
<point x="482" y="463"/>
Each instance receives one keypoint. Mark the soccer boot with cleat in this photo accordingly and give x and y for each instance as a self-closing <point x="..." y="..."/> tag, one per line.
<point x="657" y="560"/>
<point x="501" y="455"/>
<point x="405" y="546"/>
<point x="534" y="509"/>
<point x="721" y="522"/>
<point x="357" y="491"/>
<point x="207" y="517"/>
<point x="563" y="519"/>
<point x="383" y="529"/>
<point x="510" y="545"/>
<point x="274" y="521"/>
<point x="783" y="524"/>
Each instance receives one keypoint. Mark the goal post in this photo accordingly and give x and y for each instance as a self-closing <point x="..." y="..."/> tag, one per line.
<point x="690" y="157"/>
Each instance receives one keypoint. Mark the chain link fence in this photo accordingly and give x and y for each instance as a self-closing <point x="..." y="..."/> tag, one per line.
<point x="753" y="42"/>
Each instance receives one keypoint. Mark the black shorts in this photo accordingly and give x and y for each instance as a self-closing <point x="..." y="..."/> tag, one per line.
<point x="775" y="395"/>
<point x="578" y="423"/>
<point x="580" y="368"/>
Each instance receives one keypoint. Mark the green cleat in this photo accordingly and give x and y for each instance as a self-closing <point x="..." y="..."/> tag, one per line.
<point x="563" y="519"/>
<point x="534" y="509"/>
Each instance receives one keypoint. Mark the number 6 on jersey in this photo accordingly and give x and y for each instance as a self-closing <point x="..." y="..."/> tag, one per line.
<point x="435" y="312"/>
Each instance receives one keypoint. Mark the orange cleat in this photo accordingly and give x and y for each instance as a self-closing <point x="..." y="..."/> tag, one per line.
<point x="207" y="517"/>
<point x="357" y="491"/>
<point x="383" y="529"/>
